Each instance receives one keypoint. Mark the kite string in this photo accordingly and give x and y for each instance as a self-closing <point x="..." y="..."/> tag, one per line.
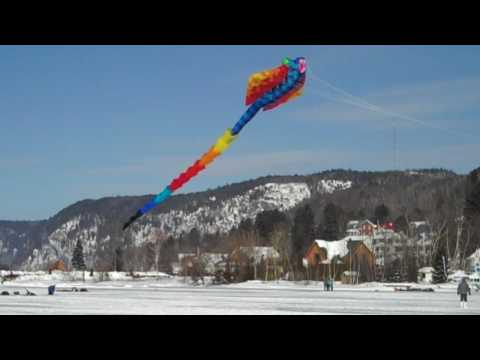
<point x="362" y="103"/>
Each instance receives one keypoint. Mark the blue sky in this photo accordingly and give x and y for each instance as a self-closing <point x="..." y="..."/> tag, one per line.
<point x="92" y="121"/>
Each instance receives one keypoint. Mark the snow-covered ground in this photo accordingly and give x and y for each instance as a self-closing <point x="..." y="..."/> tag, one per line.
<point x="170" y="296"/>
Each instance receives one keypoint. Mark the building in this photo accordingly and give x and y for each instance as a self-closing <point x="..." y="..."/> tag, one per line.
<point x="353" y="228"/>
<point x="322" y="252"/>
<point x="425" y="275"/>
<point x="457" y="276"/>
<point x="184" y="261"/>
<point x="255" y="262"/>
<point x="58" y="265"/>
<point x="255" y="254"/>
<point x="473" y="262"/>
<point x="360" y="259"/>
<point x="326" y="259"/>
<point x="475" y="279"/>
<point x="207" y="263"/>
<point x="388" y="245"/>
<point x="422" y="235"/>
<point x="213" y="262"/>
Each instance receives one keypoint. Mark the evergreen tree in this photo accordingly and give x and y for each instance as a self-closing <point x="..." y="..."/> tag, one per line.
<point x="150" y="256"/>
<point x="361" y="214"/>
<point x="472" y="196"/>
<point x="440" y="267"/>
<point x="193" y="240"/>
<point x="412" y="268"/>
<point x="319" y="231"/>
<point x="246" y="225"/>
<point x="265" y="223"/>
<point x="118" y="260"/>
<point x="401" y="224"/>
<point x="78" y="261"/>
<point x="417" y="215"/>
<point x="330" y="223"/>
<point x="168" y="253"/>
<point x="303" y="231"/>
<point x="382" y="212"/>
<point x="471" y="212"/>
<point x="393" y="272"/>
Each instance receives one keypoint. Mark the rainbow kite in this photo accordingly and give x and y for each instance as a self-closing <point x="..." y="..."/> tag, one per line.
<point x="267" y="90"/>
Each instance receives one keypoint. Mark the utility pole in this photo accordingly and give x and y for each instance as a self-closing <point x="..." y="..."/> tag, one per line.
<point x="395" y="148"/>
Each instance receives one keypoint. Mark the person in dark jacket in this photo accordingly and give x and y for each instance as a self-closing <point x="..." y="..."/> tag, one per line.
<point x="462" y="290"/>
<point x="326" y="285"/>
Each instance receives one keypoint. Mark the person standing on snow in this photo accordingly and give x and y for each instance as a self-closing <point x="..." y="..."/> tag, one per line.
<point x="462" y="290"/>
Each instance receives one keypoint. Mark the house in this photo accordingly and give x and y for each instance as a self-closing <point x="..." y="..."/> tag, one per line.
<point x="332" y="258"/>
<point x="360" y="259"/>
<point x="473" y="262"/>
<point x="58" y="265"/>
<point x="213" y="262"/>
<point x="425" y="275"/>
<point x="184" y="261"/>
<point x="419" y="227"/>
<point x="388" y="226"/>
<point x="352" y="228"/>
<point x="421" y="232"/>
<point x="206" y="263"/>
<point x="457" y="276"/>
<point x="366" y="227"/>
<point x="323" y="252"/>
<point x="475" y="278"/>
<point x="386" y="245"/>
<point x="255" y="254"/>
<point x="360" y="228"/>
<point x="255" y="262"/>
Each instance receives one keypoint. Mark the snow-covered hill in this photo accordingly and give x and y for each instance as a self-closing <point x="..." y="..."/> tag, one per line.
<point x="215" y="216"/>
<point x="97" y="223"/>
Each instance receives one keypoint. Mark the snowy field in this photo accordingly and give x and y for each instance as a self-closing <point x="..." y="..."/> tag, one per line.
<point x="170" y="296"/>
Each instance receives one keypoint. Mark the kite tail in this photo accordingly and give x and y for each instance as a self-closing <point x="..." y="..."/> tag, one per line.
<point x="222" y="144"/>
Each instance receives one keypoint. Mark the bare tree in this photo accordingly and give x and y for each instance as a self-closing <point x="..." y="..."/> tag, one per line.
<point x="280" y="242"/>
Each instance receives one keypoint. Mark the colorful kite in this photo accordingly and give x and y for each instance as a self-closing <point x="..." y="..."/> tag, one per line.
<point x="267" y="90"/>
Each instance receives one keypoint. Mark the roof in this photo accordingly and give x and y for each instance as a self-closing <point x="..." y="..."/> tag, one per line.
<point x="334" y="248"/>
<point x="418" y="223"/>
<point x="475" y="255"/>
<point x="258" y="252"/>
<point x="458" y="274"/>
<point x="213" y="258"/>
<point x="356" y="239"/>
<point x="353" y="224"/>
<point x="426" y="269"/>
<point x="182" y="256"/>
<point x="366" y="221"/>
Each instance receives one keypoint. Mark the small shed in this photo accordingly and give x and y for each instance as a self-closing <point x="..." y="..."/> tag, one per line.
<point x="425" y="275"/>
